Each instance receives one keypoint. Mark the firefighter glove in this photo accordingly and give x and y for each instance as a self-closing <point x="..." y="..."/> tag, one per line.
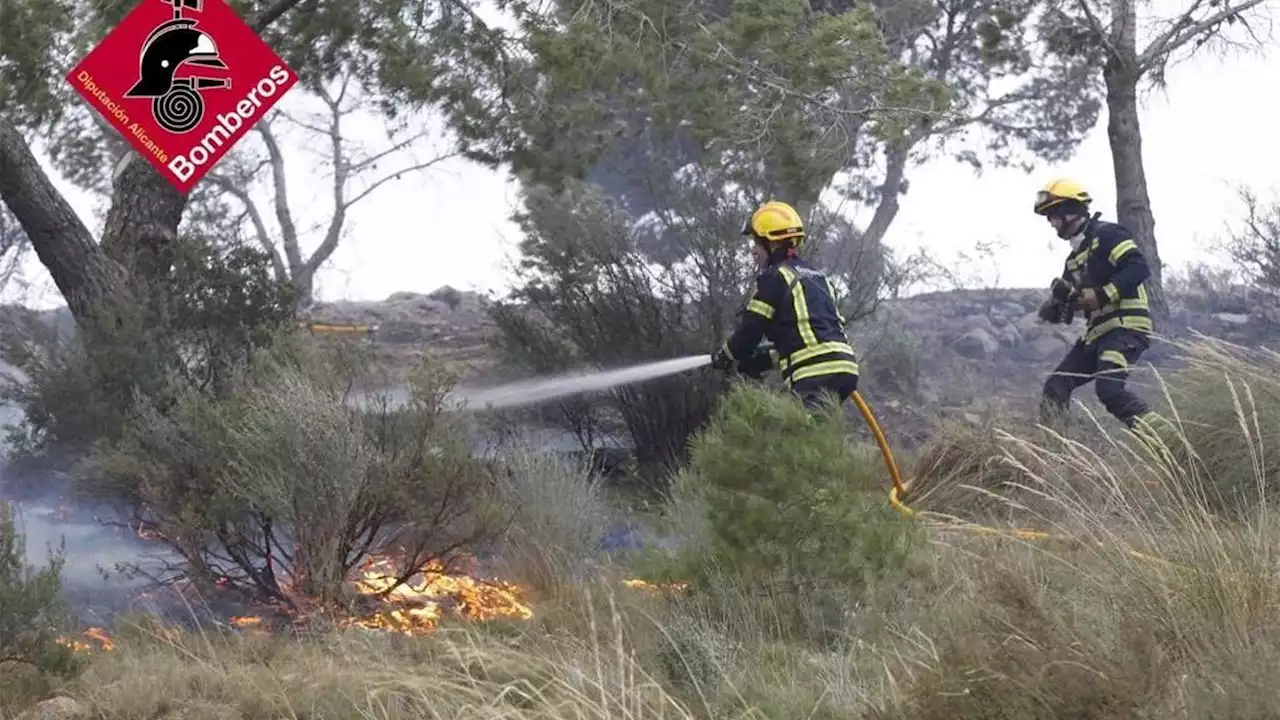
<point x="1062" y="290"/>
<point x="1088" y="300"/>
<point x="760" y="362"/>
<point x="1050" y="311"/>
<point x="721" y="360"/>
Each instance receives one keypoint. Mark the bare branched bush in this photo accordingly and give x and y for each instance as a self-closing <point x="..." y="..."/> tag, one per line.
<point x="1255" y="246"/>
<point x="282" y="489"/>
<point x="589" y="295"/>
<point x="891" y="361"/>
<point x="1205" y="286"/>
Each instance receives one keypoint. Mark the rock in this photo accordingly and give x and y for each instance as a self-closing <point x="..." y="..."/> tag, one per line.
<point x="58" y="708"/>
<point x="977" y="344"/>
<point x="1045" y="347"/>
<point x="1009" y="336"/>
<point x="1030" y="324"/>
<point x="977" y="322"/>
<point x="1010" y="310"/>
<point x="1231" y="318"/>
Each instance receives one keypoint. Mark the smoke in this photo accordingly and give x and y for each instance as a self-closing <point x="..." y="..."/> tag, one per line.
<point x="50" y="519"/>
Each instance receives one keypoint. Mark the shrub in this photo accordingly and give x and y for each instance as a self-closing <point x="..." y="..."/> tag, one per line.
<point x="963" y="470"/>
<point x="31" y="611"/>
<point x="215" y="307"/>
<point x="793" y="508"/>
<point x="560" y="517"/>
<point x="283" y="487"/>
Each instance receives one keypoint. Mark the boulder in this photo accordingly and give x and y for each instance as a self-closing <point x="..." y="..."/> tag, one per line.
<point x="1231" y="318"/>
<point x="58" y="708"/>
<point x="978" y="322"/>
<point x="1046" y="346"/>
<point x="1029" y="324"/>
<point x="977" y="344"/>
<point x="1008" y="336"/>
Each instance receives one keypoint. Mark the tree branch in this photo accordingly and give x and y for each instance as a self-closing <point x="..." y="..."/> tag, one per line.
<point x="396" y="176"/>
<point x="369" y="162"/>
<point x="271" y="13"/>
<point x="280" y="191"/>
<point x="1095" y="24"/>
<point x="303" y="276"/>
<point x="259" y="225"/>
<point x="1184" y="31"/>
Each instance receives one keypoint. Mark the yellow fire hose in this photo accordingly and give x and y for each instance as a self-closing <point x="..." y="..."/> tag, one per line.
<point x="898" y="491"/>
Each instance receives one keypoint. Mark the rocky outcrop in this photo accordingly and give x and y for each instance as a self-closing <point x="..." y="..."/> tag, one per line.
<point x="944" y="353"/>
<point x="58" y="708"/>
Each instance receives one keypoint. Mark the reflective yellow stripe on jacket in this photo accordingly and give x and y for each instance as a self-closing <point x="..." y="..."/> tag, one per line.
<point x="817" y="357"/>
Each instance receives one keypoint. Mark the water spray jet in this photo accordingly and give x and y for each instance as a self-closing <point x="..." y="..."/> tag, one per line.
<point x="539" y="390"/>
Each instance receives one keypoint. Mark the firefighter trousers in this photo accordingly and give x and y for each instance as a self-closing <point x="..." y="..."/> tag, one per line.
<point x="1106" y="362"/>
<point x="836" y="387"/>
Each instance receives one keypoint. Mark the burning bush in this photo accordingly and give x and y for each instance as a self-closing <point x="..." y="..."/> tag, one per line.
<point x="283" y="489"/>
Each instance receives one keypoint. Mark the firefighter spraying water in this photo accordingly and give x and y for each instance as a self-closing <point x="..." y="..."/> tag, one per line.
<point x="792" y="323"/>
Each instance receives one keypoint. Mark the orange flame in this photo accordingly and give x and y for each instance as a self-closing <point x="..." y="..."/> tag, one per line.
<point x="646" y="586"/>
<point x="97" y="638"/>
<point x="418" y="605"/>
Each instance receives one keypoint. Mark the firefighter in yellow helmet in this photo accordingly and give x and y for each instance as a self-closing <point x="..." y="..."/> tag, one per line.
<point x="1105" y="279"/>
<point x="794" y="307"/>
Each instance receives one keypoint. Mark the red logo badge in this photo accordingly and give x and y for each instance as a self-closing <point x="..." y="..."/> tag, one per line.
<point x="183" y="81"/>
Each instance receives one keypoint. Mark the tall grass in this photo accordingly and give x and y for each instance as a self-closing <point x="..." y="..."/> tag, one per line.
<point x="1156" y="597"/>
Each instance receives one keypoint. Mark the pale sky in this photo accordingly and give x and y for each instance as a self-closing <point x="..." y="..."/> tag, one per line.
<point x="1214" y="125"/>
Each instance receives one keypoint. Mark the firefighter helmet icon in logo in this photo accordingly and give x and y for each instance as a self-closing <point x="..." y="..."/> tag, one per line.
<point x="177" y="102"/>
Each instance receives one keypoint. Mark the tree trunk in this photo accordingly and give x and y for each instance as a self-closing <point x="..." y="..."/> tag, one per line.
<point x="887" y="207"/>
<point x="1133" y="205"/>
<point x="146" y="210"/>
<point x="87" y="278"/>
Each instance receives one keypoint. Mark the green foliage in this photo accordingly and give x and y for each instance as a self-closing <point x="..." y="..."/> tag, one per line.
<point x="754" y="91"/>
<point x="280" y="472"/>
<point x="210" y="309"/>
<point x="791" y="500"/>
<point x="31" y="612"/>
<point x="32" y="38"/>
